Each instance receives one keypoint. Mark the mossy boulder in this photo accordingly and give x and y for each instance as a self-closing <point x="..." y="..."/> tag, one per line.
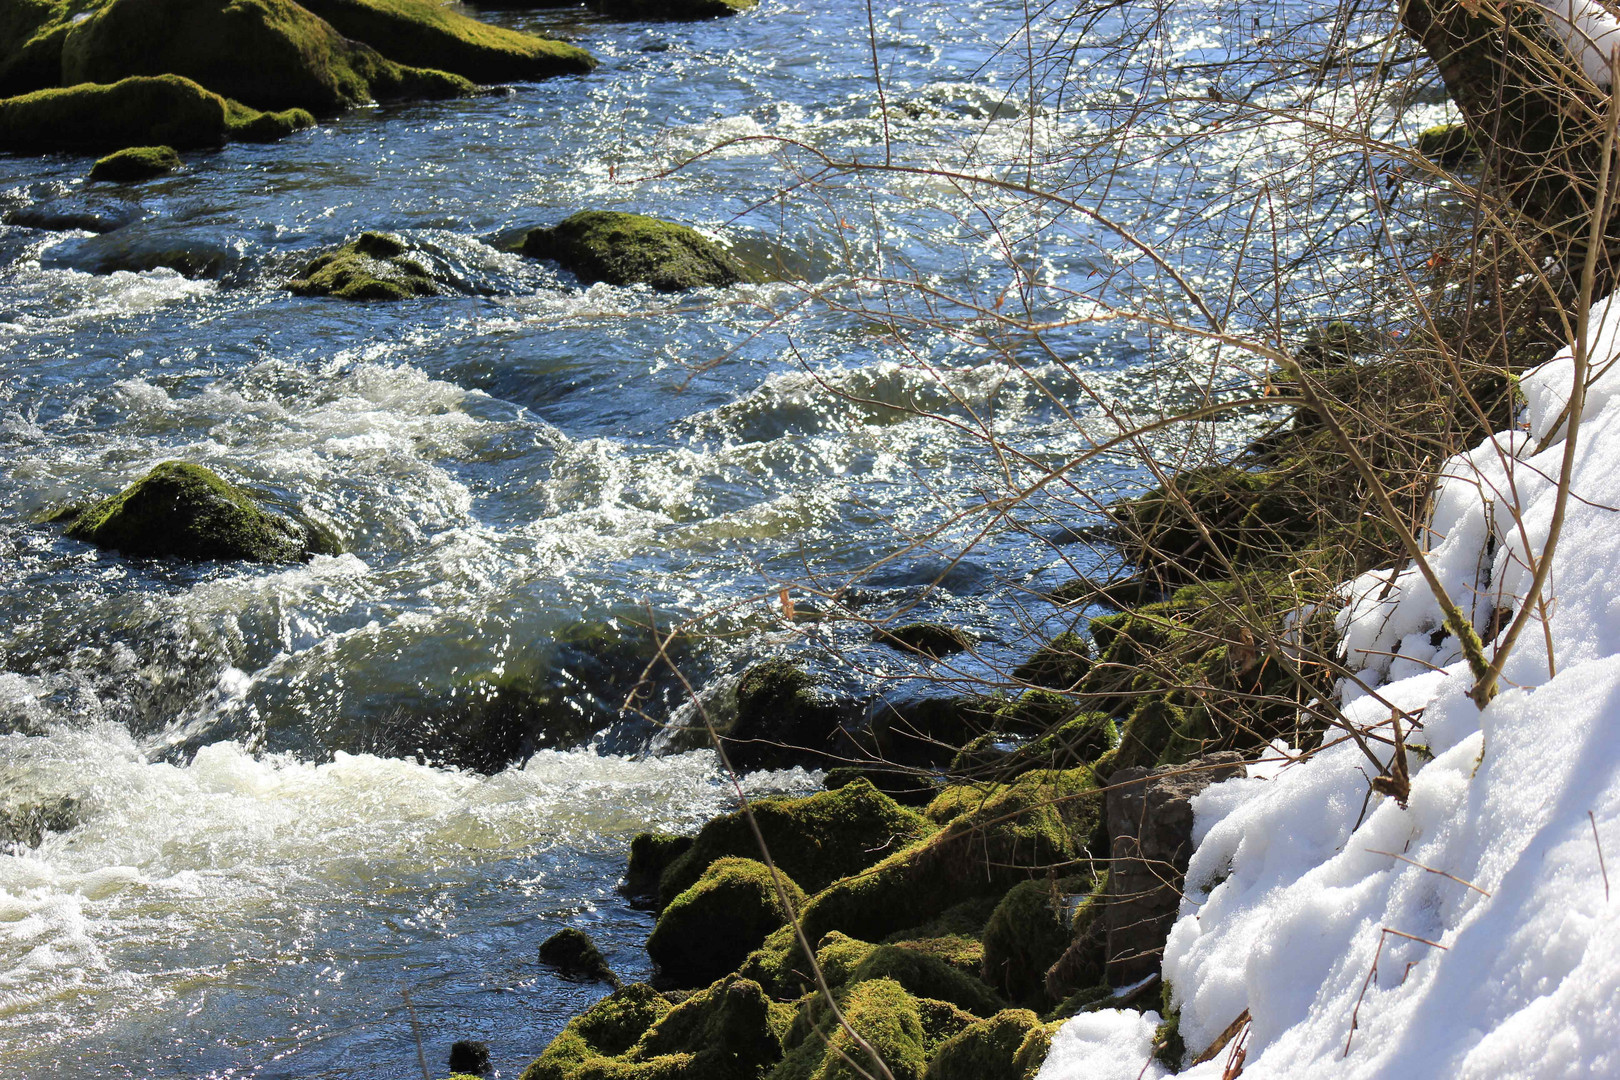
<point x="372" y="267"/>
<point x="31" y="33"/>
<point x="932" y="640"/>
<point x="785" y="717"/>
<point x="992" y="1049"/>
<point x="926" y="975"/>
<point x="630" y="249"/>
<point x="432" y="35"/>
<point x="136" y="163"/>
<point x="297" y="59"/>
<point x="673" y="9"/>
<point x="1026" y="935"/>
<point x="883" y="1013"/>
<point x="180" y="510"/>
<point x="1060" y="664"/>
<point x="575" y="956"/>
<point x="1001" y="835"/>
<point x="710" y="929"/>
<point x="815" y="840"/>
<point x="607" y="1029"/>
<point x="650" y="855"/>
<point x="1080" y="740"/>
<point x="164" y="110"/>
<point x="1447" y="145"/>
<point x="730" y="1031"/>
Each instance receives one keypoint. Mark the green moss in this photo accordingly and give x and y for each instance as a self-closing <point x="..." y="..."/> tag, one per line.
<point x="1032" y="1053"/>
<point x="1447" y="145"/>
<point x="165" y="110"/>
<point x="730" y="1031"/>
<point x="986" y="1050"/>
<point x="947" y="943"/>
<point x="815" y="840"/>
<point x="673" y="9"/>
<point x="298" y="60"/>
<point x="188" y="512"/>
<point x="431" y="35"/>
<point x="650" y="855"/>
<point x="1058" y="665"/>
<point x="627" y="249"/>
<point x="1041" y="820"/>
<point x="372" y="267"/>
<point x="711" y="928"/>
<point x="1027" y="933"/>
<point x="1128" y="592"/>
<point x="136" y="163"/>
<point x="1084" y="961"/>
<point x="31" y="35"/>
<point x="1081" y="740"/>
<point x="889" y="1020"/>
<point x="607" y="1029"/>
<point x="926" y="639"/>
<point x="251" y="125"/>
<point x="925" y="975"/>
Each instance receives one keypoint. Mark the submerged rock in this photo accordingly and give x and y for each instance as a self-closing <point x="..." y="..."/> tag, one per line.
<point x="629" y="249"/>
<point x="785" y="718"/>
<point x="136" y="163"/>
<point x="185" y="511"/>
<point x="468" y="1058"/>
<point x="575" y="956"/>
<point x="932" y="640"/>
<point x="372" y="267"/>
<point x="432" y="35"/>
<point x="297" y="59"/>
<point x="161" y="110"/>
<point x="673" y="9"/>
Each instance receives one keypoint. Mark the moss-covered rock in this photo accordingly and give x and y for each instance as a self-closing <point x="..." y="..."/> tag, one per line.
<point x="815" y="840"/>
<point x="1084" y="960"/>
<point x="709" y="929"/>
<point x="432" y="35"/>
<point x="885" y="1015"/>
<point x="31" y="33"/>
<point x="926" y="975"/>
<point x="932" y="640"/>
<point x="1025" y="936"/>
<point x="469" y="1057"/>
<point x="298" y="60"/>
<point x="136" y="163"/>
<point x="629" y="249"/>
<point x="165" y="110"/>
<point x="373" y="267"/>
<point x="785" y="717"/>
<point x="987" y="1050"/>
<point x="730" y="1031"/>
<point x="673" y="9"/>
<point x="650" y="855"/>
<point x="185" y="511"/>
<point x="607" y="1029"/>
<point x="1078" y="741"/>
<point x="575" y="956"/>
<point x="1060" y="664"/>
<point x="1447" y="145"/>
<point x="1009" y="831"/>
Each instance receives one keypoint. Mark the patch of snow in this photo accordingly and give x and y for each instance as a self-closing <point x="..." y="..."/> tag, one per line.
<point x="1483" y="902"/>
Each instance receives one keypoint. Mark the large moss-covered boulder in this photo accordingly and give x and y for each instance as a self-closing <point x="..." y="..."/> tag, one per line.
<point x="269" y="54"/>
<point x="998" y="836"/>
<point x="651" y="853"/>
<point x="185" y="511"/>
<point x="1008" y="1046"/>
<point x="433" y="35"/>
<point x="710" y="929"/>
<point x="136" y="163"/>
<point x="926" y="975"/>
<point x="1026" y="935"/>
<point x="31" y="34"/>
<point x="673" y="9"/>
<point x="815" y="840"/>
<point x="605" y="1030"/>
<point x="163" y="110"/>
<point x="631" y="249"/>
<point x="372" y="267"/>
<point x="730" y="1031"/>
<point x="892" y="1021"/>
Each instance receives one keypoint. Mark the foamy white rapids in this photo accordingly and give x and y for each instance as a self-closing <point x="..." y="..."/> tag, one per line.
<point x="1471" y="934"/>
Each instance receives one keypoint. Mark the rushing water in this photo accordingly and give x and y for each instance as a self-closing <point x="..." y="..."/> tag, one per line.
<point x="237" y="863"/>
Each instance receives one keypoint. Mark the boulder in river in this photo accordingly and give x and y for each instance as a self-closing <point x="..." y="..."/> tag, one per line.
<point x="432" y="35"/>
<point x="372" y="267"/>
<point x="673" y="9"/>
<point x="185" y="511"/>
<point x="297" y="59"/>
<point x="629" y="249"/>
<point x="160" y="110"/>
<point x="727" y="913"/>
<point x="575" y="956"/>
<point x="136" y="163"/>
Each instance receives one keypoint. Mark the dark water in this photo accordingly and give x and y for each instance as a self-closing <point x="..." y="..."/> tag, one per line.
<point x="244" y="865"/>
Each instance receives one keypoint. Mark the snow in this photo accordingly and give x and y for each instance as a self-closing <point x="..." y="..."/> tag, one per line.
<point x="1589" y="32"/>
<point x="1483" y="901"/>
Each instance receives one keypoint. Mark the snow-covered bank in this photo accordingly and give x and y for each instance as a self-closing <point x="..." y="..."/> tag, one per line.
<point x="1484" y="902"/>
